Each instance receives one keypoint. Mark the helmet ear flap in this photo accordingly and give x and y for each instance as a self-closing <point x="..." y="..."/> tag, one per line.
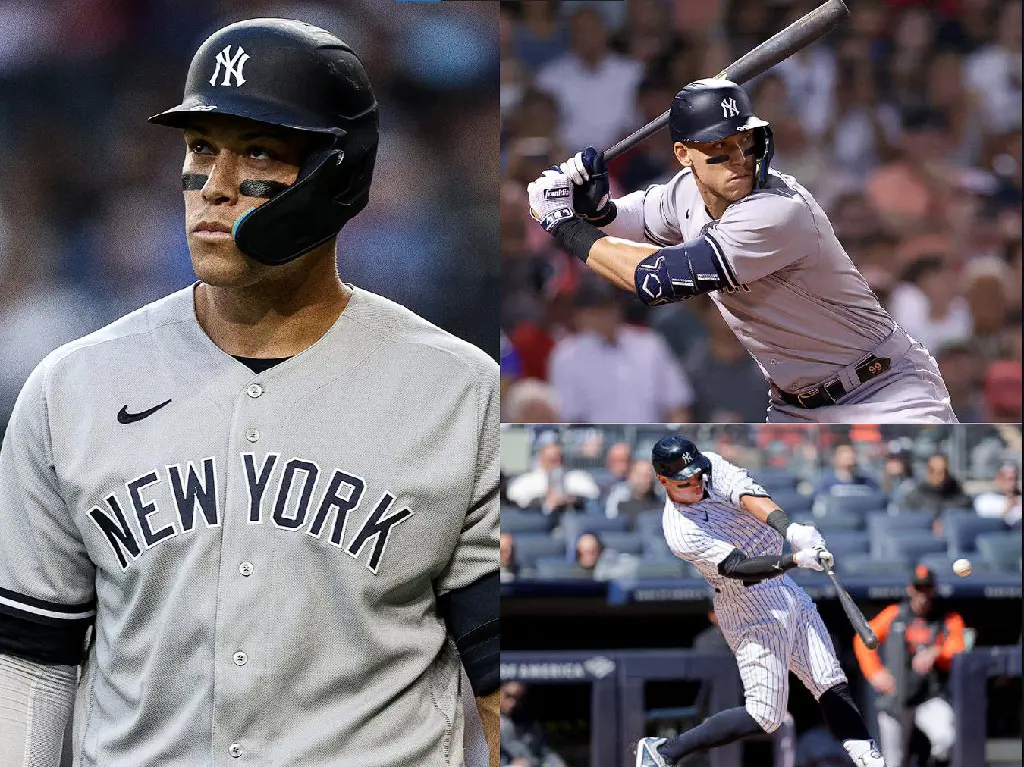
<point x="764" y="148"/>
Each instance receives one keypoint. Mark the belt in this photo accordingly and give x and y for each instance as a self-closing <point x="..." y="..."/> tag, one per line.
<point x="830" y="392"/>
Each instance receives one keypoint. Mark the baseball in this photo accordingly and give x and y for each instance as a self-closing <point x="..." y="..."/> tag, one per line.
<point x="962" y="567"/>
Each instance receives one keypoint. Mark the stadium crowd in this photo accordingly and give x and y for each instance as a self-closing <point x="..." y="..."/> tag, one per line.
<point x="905" y="124"/>
<point x="91" y="220"/>
<point x="886" y="498"/>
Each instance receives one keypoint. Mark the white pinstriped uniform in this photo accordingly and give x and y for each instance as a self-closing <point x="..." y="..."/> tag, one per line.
<point x="772" y="626"/>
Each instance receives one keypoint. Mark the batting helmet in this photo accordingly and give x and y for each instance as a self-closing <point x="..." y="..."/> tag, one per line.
<point x="293" y="75"/>
<point x="677" y="458"/>
<point x="714" y="109"/>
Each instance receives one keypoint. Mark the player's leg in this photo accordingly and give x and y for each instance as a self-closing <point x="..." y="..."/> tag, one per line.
<point x="890" y="739"/>
<point x="815" y="664"/>
<point x="937" y="720"/>
<point x="762" y="656"/>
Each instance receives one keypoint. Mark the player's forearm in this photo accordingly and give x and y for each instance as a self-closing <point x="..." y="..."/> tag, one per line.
<point x="741" y="567"/>
<point x="616" y="260"/>
<point x="35" y="702"/>
<point x="762" y="508"/>
<point x="491" y="720"/>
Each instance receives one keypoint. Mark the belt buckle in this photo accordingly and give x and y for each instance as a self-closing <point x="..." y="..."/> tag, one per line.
<point x="800" y="396"/>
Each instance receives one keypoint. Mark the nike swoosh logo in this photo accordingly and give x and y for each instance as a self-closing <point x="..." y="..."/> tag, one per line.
<point x="123" y="416"/>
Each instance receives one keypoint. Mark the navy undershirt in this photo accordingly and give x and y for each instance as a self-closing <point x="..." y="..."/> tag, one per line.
<point x="260" y="364"/>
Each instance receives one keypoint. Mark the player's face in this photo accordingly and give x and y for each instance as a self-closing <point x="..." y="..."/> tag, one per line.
<point x="227" y="151"/>
<point x="725" y="167"/>
<point x="690" y="491"/>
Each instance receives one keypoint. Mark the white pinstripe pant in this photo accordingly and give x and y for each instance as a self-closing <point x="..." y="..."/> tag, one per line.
<point x="773" y="628"/>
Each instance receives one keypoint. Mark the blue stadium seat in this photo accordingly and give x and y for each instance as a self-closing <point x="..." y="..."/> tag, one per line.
<point x="575" y="524"/>
<point x="793" y="502"/>
<point x="910" y="546"/>
<point x="942" y="564"/>
<point x="861" y="503"/>
<point x="961" y="530"/>
<point x="844" y="543"/>
<point x="623" y="542"/>
<point x="656" y="548"/>
<point x="838" y="522"/>
<point x="776" y="480"/>
<point x="881" y="526"/>
<point x="1002" y="550"/>
<point x="664" y="568"/>
<point x="515" y="521"/>
<point x="649" y="522"/>
<point x="552" y="568"/>
<point x="530" y="547"/>
<point x="865" y="564"/>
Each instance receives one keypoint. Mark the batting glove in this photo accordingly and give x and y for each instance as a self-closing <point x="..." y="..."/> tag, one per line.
<point x="591" y="193"/>
<point x="551" y="199"/>
<point x="813" y="559"/>
<point x="804" y="537"/>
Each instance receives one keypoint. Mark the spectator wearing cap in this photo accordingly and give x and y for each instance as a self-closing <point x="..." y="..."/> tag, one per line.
<point x="939" y="491"/>
<point x="909" y="671"/>
<point x="897" y="474"/>
<point x="1004" y="500"/>
<point x="844" y="472"/>
<point x="610" y="372"/>
<point x="549" y="486"/>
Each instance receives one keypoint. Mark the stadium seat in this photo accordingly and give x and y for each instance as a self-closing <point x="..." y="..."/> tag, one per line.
<point x="623" y="542"/>
<point x="865" y="564"/>
<point x="910" y="546"/>
<point x="961" y="530"/>
<point x="664" y="568"/>
<point x="776" y="480"/>
<point x="655" y="548"/>
<point x="533" y="546"/>
<point x="942" y="564"/>
<point x="793" y="502"/>
<point x="1002" y="550"/>
<point x="838" y="522"/>
<point x="552" y="568"/>
<point x="649" y="522"/>
<point x="864" y="502"/>
<point x="844" y="543"/>
<point x="517" y="521"/>
<point x="881" y="526"/>
<point x="574" y="524"/>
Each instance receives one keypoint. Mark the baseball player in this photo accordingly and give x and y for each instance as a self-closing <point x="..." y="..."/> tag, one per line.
<point x="757" y="242"/>
<point x="717" y="518"/>
<point x="283" y="544"/>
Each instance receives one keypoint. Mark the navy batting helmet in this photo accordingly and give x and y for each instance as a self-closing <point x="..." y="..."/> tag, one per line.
<point x="294" y="75"/>
<point x="677" y="458"/>
<point x="714" y="109"/>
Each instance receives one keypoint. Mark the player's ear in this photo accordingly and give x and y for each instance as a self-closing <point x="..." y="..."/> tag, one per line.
<point x="682" y="154"/>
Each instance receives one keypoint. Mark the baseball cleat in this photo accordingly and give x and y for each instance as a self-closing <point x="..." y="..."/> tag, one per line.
<point x="647" y="753"/>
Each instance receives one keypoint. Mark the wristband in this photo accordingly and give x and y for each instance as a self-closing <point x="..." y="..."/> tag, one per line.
<point x="607" y="217"/>
<point x="778" y="520"/>
<point x="577" y="237"/>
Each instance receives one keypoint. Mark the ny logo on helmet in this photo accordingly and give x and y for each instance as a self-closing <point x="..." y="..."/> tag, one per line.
<point x="730" y="108"/>
<point x="233" y="66"/>
<point x="687" y="457"/>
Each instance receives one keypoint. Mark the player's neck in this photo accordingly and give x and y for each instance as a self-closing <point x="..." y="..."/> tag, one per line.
<point x="274" y="319"/>
<point x="714" y="204"/>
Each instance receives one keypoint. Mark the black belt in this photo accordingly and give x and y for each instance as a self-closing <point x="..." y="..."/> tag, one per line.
<point x="830" y="392"/>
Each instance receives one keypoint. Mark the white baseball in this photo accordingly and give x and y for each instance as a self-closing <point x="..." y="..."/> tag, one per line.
<point x="962" y="567"/>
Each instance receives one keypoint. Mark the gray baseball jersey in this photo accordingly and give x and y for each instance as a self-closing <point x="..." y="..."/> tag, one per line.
<point x="772" y="626"/>
<point x="799" y="305"/>
<point x="261" y="551"/>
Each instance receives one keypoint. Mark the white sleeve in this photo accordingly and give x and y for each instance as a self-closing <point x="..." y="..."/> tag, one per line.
<point x="688" y="541"/>
<point x="629" y="217"/>
<point x="35" y="704"/>
<point x="731" y="481"/>
<point x="651" y="215"/>
<point x="764" y="233"/>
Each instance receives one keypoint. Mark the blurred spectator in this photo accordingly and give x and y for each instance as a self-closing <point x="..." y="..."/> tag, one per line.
<point x="939" y="491"/>
<point x="508" y="566"/>
<point x="617" y="460"/>
<point x="636" y="494"/>
<point x="1004" y="500"/>
<point x="897" y="474"/>
<point x="910" y="670"/>
<point x="529" y="401"/>
<point x="549" y="486"/>
<point x="994" y="72"/>
<point x="523" y="743"/>
<point x="844" y="471"/>
<point x="594" y="87"/>
<point x="1003" y="392"/>
<point x="926" y="303"/>
<point x="595" y="561"/>
<point x="962" y="370"/>
<point x="610" y="372"/>
<point x="540" y="35"/>
<point x="711" y="639"/>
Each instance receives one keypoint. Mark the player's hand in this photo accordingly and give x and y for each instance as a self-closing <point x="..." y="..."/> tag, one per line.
<point x="804" y="537"/>
<point x="551" y="199"/>
<point x="591" y="192"/>
<point x="810" y="559"/>
<point x="924" y="659"/>
<point x="883" y="681"/>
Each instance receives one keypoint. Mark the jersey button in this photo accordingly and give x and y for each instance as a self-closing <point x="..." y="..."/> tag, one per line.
<point x="245" y="569"/>
<point x="253" y="435"/>
<point x="235" y="750"/>
<point x="254" y="390"/>
<point x="240" y="658"/>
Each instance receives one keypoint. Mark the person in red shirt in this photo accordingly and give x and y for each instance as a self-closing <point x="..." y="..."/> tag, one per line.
<point x="909" y="671"/>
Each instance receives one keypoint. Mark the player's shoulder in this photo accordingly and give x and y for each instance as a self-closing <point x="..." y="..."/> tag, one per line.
<point x="431" y="350"/>
<point x="783" y="202"/>
<point x="718" y="460"/>
<point x="117" y="340"/>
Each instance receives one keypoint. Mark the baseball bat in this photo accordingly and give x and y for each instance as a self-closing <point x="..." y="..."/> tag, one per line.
<point x="779" y="47"/>
<point x="857" y="619"/>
